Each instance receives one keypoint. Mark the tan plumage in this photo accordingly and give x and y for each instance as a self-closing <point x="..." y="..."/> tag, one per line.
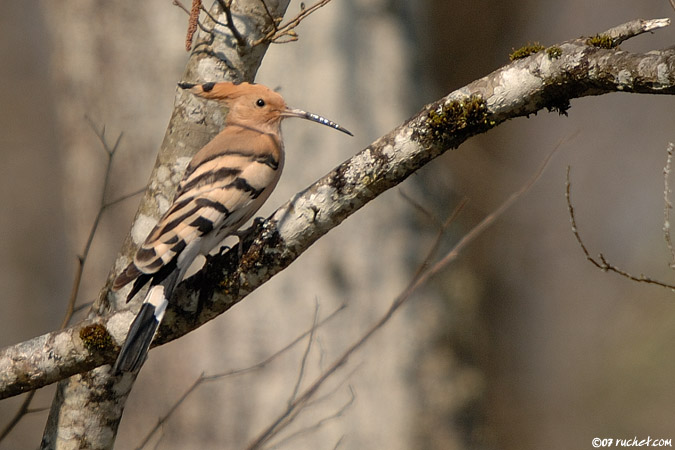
<point x="224" y="185"/>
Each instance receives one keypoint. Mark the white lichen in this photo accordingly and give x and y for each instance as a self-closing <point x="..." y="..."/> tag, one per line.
<point x="625" y="79"/>
<point x="513" y="80"/>
<point x="142" y="228"/>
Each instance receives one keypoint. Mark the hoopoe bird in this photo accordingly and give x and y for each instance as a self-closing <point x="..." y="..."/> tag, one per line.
<point x="224" y="185"/>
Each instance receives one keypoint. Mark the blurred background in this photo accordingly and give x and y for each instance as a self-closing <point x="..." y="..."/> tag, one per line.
<point x="519" y="344"/>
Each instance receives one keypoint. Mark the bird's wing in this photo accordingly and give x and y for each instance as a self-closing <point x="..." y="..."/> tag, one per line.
<point x="224" y="185"/>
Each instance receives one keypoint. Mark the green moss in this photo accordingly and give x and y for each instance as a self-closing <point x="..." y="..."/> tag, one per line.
<point x="601" y="41"/>
<point x="525" y="51"/>
<point x="446" y="122"/>
<point x="96" y="338"/>
<point x="554" y="52"/>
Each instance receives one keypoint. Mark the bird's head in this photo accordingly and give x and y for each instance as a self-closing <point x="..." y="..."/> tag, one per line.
<point x="254" y="105"/>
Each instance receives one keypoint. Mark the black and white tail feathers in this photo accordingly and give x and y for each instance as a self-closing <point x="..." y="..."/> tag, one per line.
<point x="144" y="326"/>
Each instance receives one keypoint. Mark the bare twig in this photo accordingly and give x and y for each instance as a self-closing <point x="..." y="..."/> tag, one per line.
<point x="22" y="411"/>
<point x="337" y="444"/>
<point x="339" y="413"/>
<point x="286" y="32"/>
<point x="110" y="153"/>
<point x="602" y="263"/>
<point x="275" y="20"/>
<point x="225" y="5"/>
<point x="293" y="415"/>
<point x="667" y="204"/>
<point x="194" y="22"/>
<point x="303" y="363"/>
<point x="181" y="6"/>
<point x="189" y="13"/>
<point x="422" y="209"/>
<point x="79" y="308"/>
<point x="81" y="261"/>
<point x="213" y="19"/>
<point x="203" y="378"/>
<point x="417" y="282"/>
<point x="441" y="227"/>
<point x="634" y="28"/>
<point x="124" y="197"/>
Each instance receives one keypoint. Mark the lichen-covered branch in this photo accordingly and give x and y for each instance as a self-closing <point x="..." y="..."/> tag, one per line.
<point x="547" y="78"/>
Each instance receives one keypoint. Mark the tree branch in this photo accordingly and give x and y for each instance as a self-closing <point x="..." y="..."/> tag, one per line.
<point x="519" y="89"/>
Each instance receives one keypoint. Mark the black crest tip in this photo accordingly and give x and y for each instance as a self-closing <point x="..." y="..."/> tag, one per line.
<point x="206" y="87"/>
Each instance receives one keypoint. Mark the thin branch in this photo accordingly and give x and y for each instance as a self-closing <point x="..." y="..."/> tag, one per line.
<point x="275" y="20"/>
<point x="305" y="355"/>
<point x="82" y="258"/>
<point x="124" y="197"/>
<point x="194" y="23"/>
<point x="635" y="28"/>
<point x="181" y="6"/>
<point x="337" y="444"/>
<point x="602" y="263"/>
<point x="288" y="419"/>
<point x="81" y="261"/>
<point x="667" y="204"/>
<point x="22" y="411"/>
<point x="226" y="6"/>
<point x="203" y="378"/>
<point x="287" y="30"/>
<point x="213" y="19"/>
<point x="412" y="287"/>
<point x="162" y="420"/>
<point x="339" y="413"/>
<point x="441" y="227"/>
<point x="189" y="13"/>
<point x="79" y="308"/>
<point x="422" y="209"/>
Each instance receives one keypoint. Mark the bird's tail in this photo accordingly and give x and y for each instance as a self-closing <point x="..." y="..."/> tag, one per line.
<point x="143" y="328"/>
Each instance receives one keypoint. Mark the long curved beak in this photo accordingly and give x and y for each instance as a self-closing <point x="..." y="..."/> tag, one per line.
<point x="290" y="112"/>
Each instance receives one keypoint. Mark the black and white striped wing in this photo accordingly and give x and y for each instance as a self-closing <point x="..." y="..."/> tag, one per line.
<point x="221" y="190"/>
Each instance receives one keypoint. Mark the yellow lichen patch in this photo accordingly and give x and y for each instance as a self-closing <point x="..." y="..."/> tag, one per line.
<point x="446" y="122"/>
<point x="526" y="50"/>
<point x="554" y="52"/>
<point x="601" y="41"/>
<point x="96" y="338"/>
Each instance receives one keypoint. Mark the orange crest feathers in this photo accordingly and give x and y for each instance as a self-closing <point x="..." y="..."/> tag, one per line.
<point x="220" y="91"/>
<point x="254" y="104"/>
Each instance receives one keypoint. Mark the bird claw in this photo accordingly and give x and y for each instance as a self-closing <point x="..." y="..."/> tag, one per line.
<point x="246" y="233"/>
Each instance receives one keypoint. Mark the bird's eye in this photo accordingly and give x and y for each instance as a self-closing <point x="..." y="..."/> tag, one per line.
<point x="260" y="102"/>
